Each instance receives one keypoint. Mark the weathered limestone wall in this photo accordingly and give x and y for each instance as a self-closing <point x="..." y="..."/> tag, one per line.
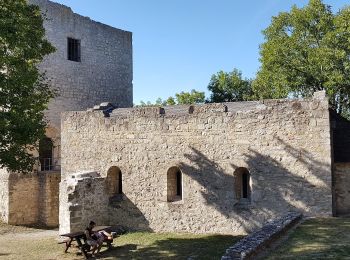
<point x="82" y="200"/>
<point x="30" y="199"/>
<point x="285" y="145"/>
<point x="23" y="199"/>
<point x="105" y="70"/>
<point x="342" y="188"/>
<point x="341" y="165"/>
<point x="49" y="198"/>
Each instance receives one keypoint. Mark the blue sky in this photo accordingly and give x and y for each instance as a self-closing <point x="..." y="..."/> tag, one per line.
<point x="179" y="44"/>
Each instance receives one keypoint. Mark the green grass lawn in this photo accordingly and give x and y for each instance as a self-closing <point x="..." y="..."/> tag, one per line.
<point x="171" y="246"/>
<point x="320" y="238"/>
<point x="26" y="243"/>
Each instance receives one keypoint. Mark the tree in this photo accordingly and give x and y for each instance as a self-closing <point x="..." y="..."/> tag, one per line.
<point x="170" y="101"/>
<point x="307" y="50"/>
<point x="229" y="87"/>
<point x="192" y="97"/>
<point x="182" y="98"/>
<point x="24" y="92"/>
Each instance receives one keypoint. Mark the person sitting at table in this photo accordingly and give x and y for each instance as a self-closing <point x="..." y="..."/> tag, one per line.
<point x="104" y="236"/>
<point x="92" y="240"/>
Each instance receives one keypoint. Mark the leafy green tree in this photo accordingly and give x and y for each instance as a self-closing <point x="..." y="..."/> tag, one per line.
<point x="24" y="92"/>
<point x="192" y="97"/>
<point x="170" y="101"/>
<point x="182" y="98"/>
<point x="229" y="87"/>
<point x="307" y="50"/>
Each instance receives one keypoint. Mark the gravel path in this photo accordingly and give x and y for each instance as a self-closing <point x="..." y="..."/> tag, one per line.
<point x="35" y="234"/>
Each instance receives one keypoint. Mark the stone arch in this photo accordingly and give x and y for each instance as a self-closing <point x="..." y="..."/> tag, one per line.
<point x="242" y="184"/>
<point x="114" y="181"/>
<point x="46" y="154"/>
<point x="174" y="184"/>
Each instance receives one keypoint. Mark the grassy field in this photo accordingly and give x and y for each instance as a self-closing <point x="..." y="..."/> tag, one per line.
<point x="321" y="238"/>
<point x="27" y="243"/>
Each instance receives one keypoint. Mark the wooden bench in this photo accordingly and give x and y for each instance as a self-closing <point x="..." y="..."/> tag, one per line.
<point x="80" y="238"/>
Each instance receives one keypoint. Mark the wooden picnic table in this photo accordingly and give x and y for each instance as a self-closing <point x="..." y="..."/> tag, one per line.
<point x="80" y="238"/>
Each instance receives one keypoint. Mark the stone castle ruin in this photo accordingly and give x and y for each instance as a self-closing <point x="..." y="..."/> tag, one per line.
<point x="92" y="64"/>
<point x="209" y="168"/>
<point x="216" y="168"/>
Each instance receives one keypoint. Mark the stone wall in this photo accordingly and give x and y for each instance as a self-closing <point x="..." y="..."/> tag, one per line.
<point x="49" y="198"/>
<point x="342" y="188"/>
<point x="105" y="71"/>
<point x="23" y="199"/>
<point x="30" y="199"/>
<point x="82" y="200"/>
<point x="284" y="144"/>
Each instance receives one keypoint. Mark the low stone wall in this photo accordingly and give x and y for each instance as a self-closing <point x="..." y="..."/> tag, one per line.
<point x="342" y="188"/>
<point x="28" y="199"/>
<point x="251" y="245"/>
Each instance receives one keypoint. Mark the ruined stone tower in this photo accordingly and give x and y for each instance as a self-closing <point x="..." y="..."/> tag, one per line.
<point x="92" y="64"/>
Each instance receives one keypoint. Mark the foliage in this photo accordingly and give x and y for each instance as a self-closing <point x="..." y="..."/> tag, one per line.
<point x="182" y="98"/>
<point x="229" y="87"/>
<point x="24" y="93"/>
<point x="193" y="97"/>
<point x="307" y="50"/>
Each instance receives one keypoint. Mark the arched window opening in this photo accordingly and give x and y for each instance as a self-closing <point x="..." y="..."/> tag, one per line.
<point x="174" y="184"/>
<point x="114" y="181"/>
<point x="242" y="184"/>
<point x="46" y="154"/>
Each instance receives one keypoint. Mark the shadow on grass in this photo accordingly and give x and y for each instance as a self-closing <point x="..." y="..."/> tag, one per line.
<point x="321" y="238"/>
<point x="205" y="247"/>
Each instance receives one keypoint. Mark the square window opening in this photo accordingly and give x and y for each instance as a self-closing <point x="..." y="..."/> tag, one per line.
<point x="74" y="50"/>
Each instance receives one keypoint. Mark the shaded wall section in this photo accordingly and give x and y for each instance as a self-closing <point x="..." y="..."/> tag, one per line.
<point x="341" y="138"/>
<point x="342" y="188"/>
<point x="341" y="167"/>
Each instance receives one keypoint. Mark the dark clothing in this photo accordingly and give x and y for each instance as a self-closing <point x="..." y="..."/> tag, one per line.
<point x="88" y="230"/>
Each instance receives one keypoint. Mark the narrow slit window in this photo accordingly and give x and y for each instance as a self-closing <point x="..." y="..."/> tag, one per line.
<point x="242" y="184"/>
<point x="174" y="184"/>
<point x="114" y="181"/>
<point x="74" y="50"/>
